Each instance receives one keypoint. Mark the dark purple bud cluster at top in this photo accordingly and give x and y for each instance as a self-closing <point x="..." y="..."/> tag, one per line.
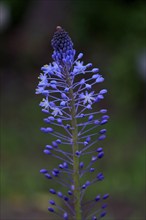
<point x="63" y="47"/>
<point x="55" y="88"/>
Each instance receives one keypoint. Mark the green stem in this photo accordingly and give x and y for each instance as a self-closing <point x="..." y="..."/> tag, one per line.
<point x="75" y="147"/>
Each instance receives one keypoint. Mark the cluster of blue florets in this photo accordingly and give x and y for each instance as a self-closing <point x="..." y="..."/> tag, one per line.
<point x="54" y="87"/>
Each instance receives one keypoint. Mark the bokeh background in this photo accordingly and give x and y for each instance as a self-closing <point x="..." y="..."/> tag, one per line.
<point x="111" y="34"/>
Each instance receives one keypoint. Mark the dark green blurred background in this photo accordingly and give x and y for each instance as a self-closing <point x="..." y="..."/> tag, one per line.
<point x="111" y="34"/>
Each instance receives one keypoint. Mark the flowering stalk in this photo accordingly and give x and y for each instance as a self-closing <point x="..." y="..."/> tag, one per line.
<point x="67" y="102"/>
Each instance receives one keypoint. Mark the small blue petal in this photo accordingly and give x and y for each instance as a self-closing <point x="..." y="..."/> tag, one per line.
<point x="54" y="144"/>
<point x="95" y="76"/>
<point x="81" y="165"/>
<point x="48" y="176"/>
<point x="85" y="143"/>
<point x="82" y="115"/>
<point x="66" y="89"/>
<point x="45" y="92"/>
<point x="52" y="202"/>
<point x="66" y="198"/>
<point x="45" y="111"/>
<point x="103" y="91"/>
<point x="80" y="56"/>
<point x="97" y="198"/>
<point x="95" y="70"/>
<point x="62" y="103"/>
<point x="100" y="96"/>
<point x="100" y="176"/>
<point x="50" y="209"/>
<point x="61" y="166"/>
<point x="105" y="196"/>
<point x="104" y="206"/>
<point x="53" y="82"/>
<point x="89" y="65"/>
<point x="94" y="218"/>
<point x="87" y="183"/>
<point x="88" y="106"/>
<point x="90" y="118"/>
<point x="65" y="165"/>
<point x="94" y="158"/>
<point x="47" y="152"/>
<point x="88" y="139"/>
<point x="101" y="154"/>
<point x="105" y="117"/>
<point x="99" y="149"/>
<point x="51" y="118"/>
<point x="46" y="120"/>
<point x="102" y="131"/>
<point x="84" y="186"/>
<point x="56" y="170"/>
<point x="58" y="141"/>
<point x="52" y="191"/>
<point x="53" y="86"/>
<point x="59" y="121"/>
<point x="88" y="86"/>
<point x="92" y="169"/>
<point x="102" y="137"/>
<point x="82" y="81"/>
<point x="43" y="171"/>
<point x="54" y="174"/>
<point x="59" y="194"/>
<point x="103" y="122"/>
<point x="69" y="192"/>
<point x="78" y="153"/>
<point x="96" y="122"/>
<point x="65" y="216"/>
<point x="100" y="79"/>
<point x="103" y="111"/>
<point x="103" y="214"/>
<point x="50" y="130"/>
<point x="64" y="96"/>
<point x="49" y="147"/>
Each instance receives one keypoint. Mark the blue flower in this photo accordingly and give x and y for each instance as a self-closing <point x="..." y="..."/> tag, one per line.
<point x="79" y="67"/>
<point x="87" y="97"/>
<point x="45" y="103"/>
<point x="68" y="100"/>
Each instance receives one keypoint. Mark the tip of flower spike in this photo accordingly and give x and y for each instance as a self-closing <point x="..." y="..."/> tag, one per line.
<point x="63" y="47"/>
<point x="59" y="28"/>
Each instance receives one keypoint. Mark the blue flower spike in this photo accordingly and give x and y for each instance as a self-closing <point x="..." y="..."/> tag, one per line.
<point x="75" y="122"/>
